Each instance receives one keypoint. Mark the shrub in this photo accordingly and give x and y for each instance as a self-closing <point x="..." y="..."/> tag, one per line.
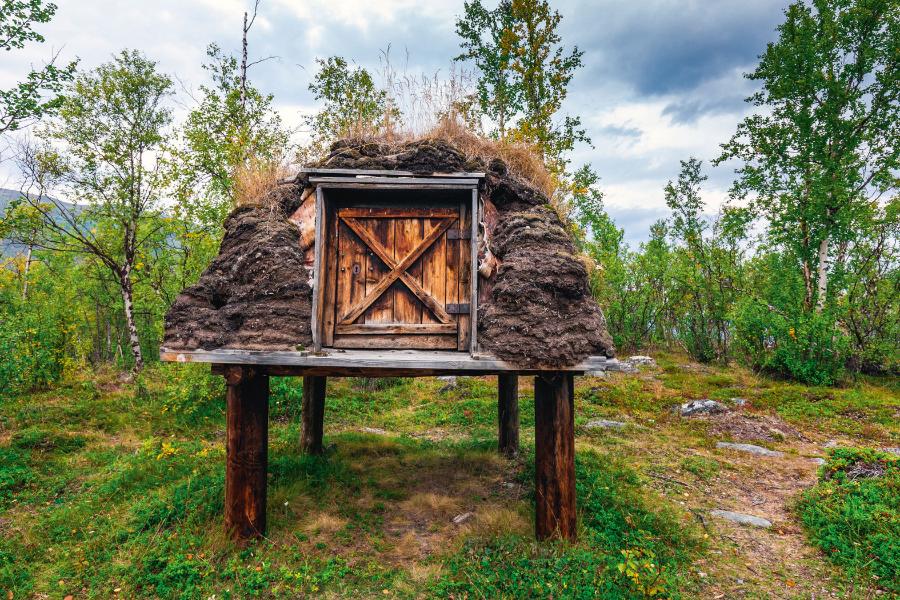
<point x="853" y="514"/>
<point x="806" y="346"/>
<point x="32" y="344"/>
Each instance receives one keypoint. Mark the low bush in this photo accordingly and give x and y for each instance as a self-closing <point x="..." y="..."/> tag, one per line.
<point x="806" y="346"/>
<point x="853" y="514"/>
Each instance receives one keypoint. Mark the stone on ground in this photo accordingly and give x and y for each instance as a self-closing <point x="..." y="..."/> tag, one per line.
<point x="758" y="450"/>
<point x="642" y="360"/>
<point x="702" y="407"/>
<point x="741" y="518"/>
<point x="604" y="424"/>
<point x="462" y="518"/>
<point x="450" y="383"/>
<point x="374" y="431"/>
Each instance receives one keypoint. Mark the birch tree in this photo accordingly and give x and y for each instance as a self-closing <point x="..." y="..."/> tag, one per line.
<point x="485" y="39"/>
<point x="39" y="94"/>
<point x="101" y="153"/>
<point x="824" y="148"/>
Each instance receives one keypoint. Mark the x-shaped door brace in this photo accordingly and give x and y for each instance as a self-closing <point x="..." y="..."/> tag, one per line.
<point x="397" y="271"/>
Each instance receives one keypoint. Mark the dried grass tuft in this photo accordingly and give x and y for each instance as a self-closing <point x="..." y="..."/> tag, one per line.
<point x="523" y="160"/>
<point x="441" y="107"/>
<point x="255" y="180"/>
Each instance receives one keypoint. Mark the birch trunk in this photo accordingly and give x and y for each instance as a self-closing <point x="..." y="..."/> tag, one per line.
<point x="25" y="272"/>
<point x="822" y="282"/>
<point x="127" y="299"/>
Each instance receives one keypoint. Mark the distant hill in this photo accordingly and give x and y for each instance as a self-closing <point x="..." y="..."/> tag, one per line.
<point x="8" y="248"/>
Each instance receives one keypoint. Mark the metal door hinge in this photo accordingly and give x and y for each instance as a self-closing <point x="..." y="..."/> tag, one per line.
<point x="458" y="309"/>
<point x="458" y="234"/>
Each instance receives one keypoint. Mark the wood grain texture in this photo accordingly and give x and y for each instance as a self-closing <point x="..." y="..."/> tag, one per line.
<point x="382" y="310"/>
<point x="318" y="272"/>
<point x="374" y="360"/>
<point x="246" y="451"/>
<point x="415" y="342"/>
<point x="473" y="292"/>
<point x="392" y="212"/>
<point x="554" y="457"/>
<point x="407" y="237"/>
<point x="397" y="328"/>
<point x="312" y="414"/>
<point x="508" y="414"/>
<point x="434" y="272"/>
<point x="329" y="292"/>
<point x="351" y="286"/>
<point x="464" y="278"/>
<point x="411" y="275"/>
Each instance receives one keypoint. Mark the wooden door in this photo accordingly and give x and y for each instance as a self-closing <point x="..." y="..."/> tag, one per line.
<point x="400" y="278"/>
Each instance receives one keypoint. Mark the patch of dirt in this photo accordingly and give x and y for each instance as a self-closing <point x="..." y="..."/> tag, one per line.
<point x="750" y="427"/>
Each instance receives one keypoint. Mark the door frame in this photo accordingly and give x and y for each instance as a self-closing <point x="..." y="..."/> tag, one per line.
<point x="325" y="234"/>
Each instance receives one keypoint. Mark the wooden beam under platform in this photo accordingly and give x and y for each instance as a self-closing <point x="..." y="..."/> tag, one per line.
<point x="376" y="363"/>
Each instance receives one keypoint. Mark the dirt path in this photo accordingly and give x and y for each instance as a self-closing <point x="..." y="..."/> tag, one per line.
<point x="742" y="561"/>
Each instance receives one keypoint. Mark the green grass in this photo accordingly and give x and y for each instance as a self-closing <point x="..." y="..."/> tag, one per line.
<point x="704" y="468"/>
<point x="628" y="548"/>
<point x="107" y="486"/>
<point x="855" y="518"/>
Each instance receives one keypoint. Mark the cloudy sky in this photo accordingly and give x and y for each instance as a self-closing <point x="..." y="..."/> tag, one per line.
<point x="662" y="78"/>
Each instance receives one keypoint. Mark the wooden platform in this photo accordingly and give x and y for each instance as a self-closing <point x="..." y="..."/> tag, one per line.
<point x="397" y="363"/>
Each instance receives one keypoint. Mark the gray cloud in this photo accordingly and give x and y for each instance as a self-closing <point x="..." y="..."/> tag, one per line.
<point x="686" y="56"/>
<point x="665" y="46"/>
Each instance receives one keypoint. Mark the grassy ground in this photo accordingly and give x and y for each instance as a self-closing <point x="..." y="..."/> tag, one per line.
<point x="114" y="489"/>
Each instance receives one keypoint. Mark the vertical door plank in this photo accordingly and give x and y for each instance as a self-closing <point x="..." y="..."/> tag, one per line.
<point x="434" y="270"/>
<point x="452" y="284"/>
<point x="465" y="275"/>
<point x="330" y="270"/>
<point x="407" y="236"/>
<point x="382" y="310"/>
<point x="351" y="270"/>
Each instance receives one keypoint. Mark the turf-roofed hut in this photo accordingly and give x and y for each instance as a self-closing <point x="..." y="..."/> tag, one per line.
<point x="395" y="259"/>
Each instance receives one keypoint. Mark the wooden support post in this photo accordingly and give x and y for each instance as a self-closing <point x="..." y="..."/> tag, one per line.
<point x="246" y="452"/>
<point x="554" y="456"/>
<point x="508" y="414"/>
<point x="312" y="414"/>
